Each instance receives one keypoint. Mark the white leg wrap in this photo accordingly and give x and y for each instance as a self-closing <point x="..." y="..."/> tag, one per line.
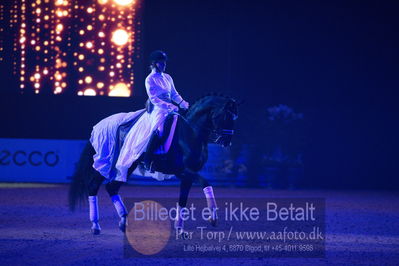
<point x="119" y="206"/>
<point x="179" y="222"/>
<point x="94" y="214"/>
<point x="93" y="206"/>
<point x="210" y="198"/>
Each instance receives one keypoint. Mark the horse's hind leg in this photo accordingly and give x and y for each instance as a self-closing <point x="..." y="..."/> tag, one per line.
<point x="94" y="186"/>
<point x="113" y="189"/>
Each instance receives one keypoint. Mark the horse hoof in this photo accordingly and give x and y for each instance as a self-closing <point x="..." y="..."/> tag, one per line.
<point x="95" y="228"/>
<point x="122" y="226"/>
<point x="213" y="222"/>
<point x="181" y="234"/>
<point x="95" y="231"/>
<point x="184" y="235"/>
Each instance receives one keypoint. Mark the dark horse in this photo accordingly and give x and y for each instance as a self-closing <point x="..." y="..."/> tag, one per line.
<point x="209" y="120"/>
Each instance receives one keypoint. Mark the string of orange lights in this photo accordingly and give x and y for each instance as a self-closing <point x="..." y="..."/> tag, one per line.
<point x="84" y="47"/>
<point x="1" y="32"/>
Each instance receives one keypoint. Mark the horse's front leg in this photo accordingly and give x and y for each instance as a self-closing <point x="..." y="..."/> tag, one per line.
<point x="210" y="197"/>
<point x="208" y="192"/>
<point x="186" y="181"/>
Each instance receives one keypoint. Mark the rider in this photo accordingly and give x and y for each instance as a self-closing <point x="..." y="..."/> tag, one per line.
<point x="163" y="96"/>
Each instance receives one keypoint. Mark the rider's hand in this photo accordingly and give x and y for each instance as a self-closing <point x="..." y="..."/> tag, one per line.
<point x="184" y="105"/>
<point x="173" y="108"/>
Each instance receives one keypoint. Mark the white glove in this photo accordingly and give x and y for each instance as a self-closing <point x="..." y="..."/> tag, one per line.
<point x="184" y="105"/>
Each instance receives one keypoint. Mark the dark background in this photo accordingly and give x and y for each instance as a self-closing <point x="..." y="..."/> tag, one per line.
<point x="334" y="61"/>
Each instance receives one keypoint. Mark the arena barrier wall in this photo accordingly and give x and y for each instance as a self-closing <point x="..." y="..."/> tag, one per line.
<point x="53" y="161"/>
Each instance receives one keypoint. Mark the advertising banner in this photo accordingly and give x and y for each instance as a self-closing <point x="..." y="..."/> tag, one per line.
<point x="38" y="160"/>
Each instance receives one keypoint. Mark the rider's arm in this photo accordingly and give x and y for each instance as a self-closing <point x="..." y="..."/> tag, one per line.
<point x="174" y="95"/>
<point x="153" y="92"/>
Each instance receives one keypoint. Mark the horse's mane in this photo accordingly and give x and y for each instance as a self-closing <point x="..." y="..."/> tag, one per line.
<point x="211" y="100"/>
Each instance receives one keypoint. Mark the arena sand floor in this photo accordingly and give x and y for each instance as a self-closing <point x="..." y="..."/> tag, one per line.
<point x="37" y="228"/>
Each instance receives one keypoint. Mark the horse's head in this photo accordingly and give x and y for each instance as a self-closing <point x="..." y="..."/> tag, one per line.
<point x="221" y="118"/>
<point x="215" y="115"/>
<point x="222" y="123"/>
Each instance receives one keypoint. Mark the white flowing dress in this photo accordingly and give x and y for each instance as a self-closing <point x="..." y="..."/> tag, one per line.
<point x="161" y="92"/>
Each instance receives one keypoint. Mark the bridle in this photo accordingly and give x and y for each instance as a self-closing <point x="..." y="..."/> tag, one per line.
<point x="218" y="135"/>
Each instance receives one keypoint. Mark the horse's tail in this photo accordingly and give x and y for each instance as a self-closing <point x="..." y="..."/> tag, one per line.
<point x="84" y="172"/>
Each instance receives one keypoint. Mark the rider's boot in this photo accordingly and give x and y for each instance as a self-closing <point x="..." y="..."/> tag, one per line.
<point x="94" y="215"/>
<point x="149" y="153"/>
<point x="121" y="210"/>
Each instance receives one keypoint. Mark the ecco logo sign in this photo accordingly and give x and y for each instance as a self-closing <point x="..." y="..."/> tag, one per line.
<point x="34" y="158"/>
